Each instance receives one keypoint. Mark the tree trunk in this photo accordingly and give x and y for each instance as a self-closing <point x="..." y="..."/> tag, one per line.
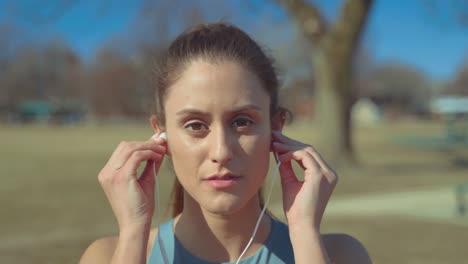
<point x="332" y="53"/>
<point x="333" y="109"/>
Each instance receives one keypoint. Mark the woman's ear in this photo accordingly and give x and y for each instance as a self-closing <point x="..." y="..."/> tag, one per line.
<point x="278" y="121"/>
<point x="154" y="124"/>
<point x="158" y="130"/>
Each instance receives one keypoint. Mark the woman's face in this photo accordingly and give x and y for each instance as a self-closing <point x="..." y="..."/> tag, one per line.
<point x="218" y="128"/>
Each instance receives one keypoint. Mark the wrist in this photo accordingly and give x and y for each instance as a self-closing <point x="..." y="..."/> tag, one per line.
<point x="134" y="232"/>
<point x="304" y="225"/>
<point x="307" y="243"/>
<point x="131" y="246"/>
<point x="297" y="231"/>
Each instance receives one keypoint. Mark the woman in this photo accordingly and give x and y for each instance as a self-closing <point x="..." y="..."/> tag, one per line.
<point x="217" y="100"/>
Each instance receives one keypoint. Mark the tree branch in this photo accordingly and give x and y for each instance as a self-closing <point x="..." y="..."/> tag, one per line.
<point x="308" y="18"/>
<point x="344" y="35"/>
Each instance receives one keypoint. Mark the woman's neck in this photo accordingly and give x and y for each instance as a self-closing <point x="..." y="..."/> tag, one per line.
<point x="220" y="238"/>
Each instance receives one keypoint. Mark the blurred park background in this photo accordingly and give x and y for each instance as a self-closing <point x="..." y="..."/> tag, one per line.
<point x="379" y="87"/>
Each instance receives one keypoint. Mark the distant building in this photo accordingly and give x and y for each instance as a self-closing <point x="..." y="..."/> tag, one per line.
<point x="58" y="112"/>
<point x="450" y="105"/>
<point x="32" y="111"/>
<point x="454" y="111"/>
<point x="365" y="113"/>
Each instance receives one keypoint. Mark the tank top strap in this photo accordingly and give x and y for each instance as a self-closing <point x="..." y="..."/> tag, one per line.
<point x="163" y="244"/>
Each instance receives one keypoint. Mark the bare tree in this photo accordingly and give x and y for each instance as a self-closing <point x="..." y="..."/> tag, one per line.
<point x="398" y="88"/>
<point x="332" y="48"/>
<point x="37" y="73"/>
<point x="7" y="38"/>
<point x="113" y="86"/>
<point x="22" y="80"/>
<point x="459" y="86"/>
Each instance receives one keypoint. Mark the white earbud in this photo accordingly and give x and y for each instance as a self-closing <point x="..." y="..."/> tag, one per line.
<point x="163" y="135"/>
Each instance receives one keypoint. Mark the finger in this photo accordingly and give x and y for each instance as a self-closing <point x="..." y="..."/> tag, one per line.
<point x="283" y="148"/>
<point x="287" y="174"/>
<point x="326" y="169"/>
<point x="304" y="159"/>
<point x="131" y="166"/>
<point x="278" y="136"/>
<point x="148" y="171"/>
<point x="125" y="150"/>
<point x="286" y="170"/>
<point x="147" y="178"/>
<point x="148" y="174"/>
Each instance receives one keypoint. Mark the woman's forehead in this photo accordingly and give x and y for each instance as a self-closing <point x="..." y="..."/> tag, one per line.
<point x="220" y="84"/>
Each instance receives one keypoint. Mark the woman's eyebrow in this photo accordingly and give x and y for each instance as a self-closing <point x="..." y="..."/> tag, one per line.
<point x="191" y="111"/>
<point x="246" y="108"/>
<point x="195" y="111"/>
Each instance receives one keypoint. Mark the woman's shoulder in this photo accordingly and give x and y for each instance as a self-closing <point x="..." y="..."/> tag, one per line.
<point x="344" y="248"/>
<point x="101" y="250"/>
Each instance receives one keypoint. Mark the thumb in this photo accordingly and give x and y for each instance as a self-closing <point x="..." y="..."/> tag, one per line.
<point x="287" y="173"/>
<point x="147" y="179"/>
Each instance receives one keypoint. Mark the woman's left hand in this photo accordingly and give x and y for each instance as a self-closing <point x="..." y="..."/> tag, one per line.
<point x="304" y="202"/>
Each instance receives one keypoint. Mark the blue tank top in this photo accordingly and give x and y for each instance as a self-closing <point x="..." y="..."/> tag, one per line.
<point x="276" y="250"/>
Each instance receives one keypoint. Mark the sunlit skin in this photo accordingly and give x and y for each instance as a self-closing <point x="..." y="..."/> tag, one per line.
<point x="218" y="122"/>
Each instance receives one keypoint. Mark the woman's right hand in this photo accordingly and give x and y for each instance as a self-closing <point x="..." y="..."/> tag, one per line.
<point x="132" y="196"/>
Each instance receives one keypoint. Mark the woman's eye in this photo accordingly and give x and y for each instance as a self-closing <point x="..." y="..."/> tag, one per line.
<point x="242" y="122"/>
<point x="196" y="126"/>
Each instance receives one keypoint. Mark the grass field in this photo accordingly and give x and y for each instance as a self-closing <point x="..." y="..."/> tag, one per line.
<point x="52" y="207"/>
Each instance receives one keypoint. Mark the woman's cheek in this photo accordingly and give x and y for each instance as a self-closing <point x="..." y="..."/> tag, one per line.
<point x="258" y="152"/>
<point x="185" y="156"/>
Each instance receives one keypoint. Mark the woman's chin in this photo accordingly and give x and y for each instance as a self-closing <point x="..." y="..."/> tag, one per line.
<point x="225" y="205"/>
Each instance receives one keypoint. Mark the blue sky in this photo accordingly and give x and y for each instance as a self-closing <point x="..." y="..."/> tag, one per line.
<point x="409" y="33"/>
<point x="402" y="31"/>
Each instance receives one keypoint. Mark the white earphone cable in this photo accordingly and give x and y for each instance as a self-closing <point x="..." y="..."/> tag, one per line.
<point x="263" y="210"/>
<point x="160" y="242"/>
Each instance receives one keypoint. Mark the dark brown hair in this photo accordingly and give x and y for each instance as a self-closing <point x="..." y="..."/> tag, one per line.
<point x="216" y="43"/>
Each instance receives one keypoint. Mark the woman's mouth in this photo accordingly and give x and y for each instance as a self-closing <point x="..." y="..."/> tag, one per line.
<point x="222" y="181"/>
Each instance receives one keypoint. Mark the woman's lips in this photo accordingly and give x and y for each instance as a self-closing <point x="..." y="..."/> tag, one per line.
<point x="223" y="181"/>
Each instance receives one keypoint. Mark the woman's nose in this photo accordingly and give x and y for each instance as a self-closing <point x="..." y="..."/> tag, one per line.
<point x="221" y="146"/>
